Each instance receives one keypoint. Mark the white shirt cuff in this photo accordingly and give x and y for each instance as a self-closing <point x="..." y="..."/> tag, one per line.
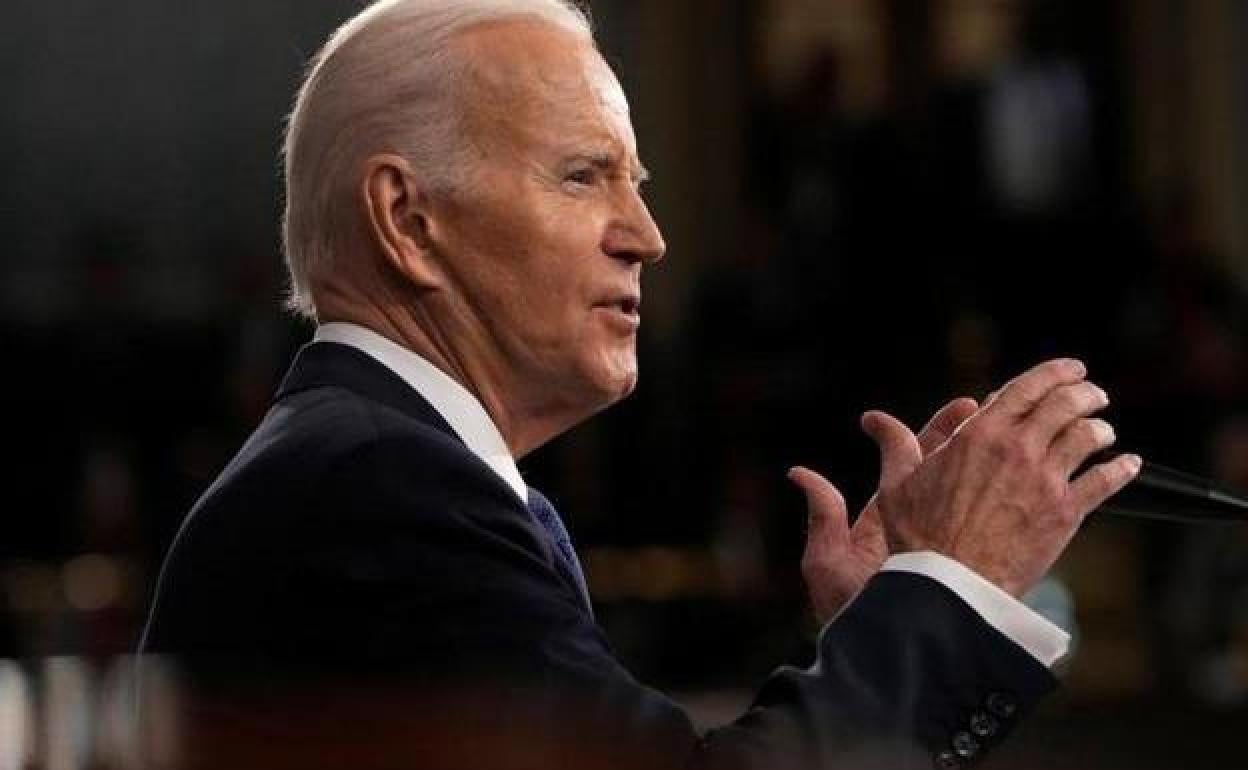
<point x="1044" y="641"/>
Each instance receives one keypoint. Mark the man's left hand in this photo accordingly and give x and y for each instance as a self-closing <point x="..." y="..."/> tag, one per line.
<point x="839" y="559"/>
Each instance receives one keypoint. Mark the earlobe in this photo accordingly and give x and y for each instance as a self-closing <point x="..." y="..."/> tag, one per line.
<point x="396" y="219"/>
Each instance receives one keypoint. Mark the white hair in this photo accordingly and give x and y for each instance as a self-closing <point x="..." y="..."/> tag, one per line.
<point x="386" y="81"/>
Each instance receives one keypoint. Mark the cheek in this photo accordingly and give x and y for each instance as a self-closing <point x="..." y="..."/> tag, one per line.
<point x="548" y="270"/>
<point x="562" y="282"/>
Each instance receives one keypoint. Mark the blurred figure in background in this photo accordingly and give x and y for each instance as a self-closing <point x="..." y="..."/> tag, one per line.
<point x="1182" y="335"/>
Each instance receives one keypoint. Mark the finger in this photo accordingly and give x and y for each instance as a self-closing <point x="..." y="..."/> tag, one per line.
<point x="1061" y="408"/>
<point x="1102" y="481"/>
<point x="827" y="529"/>
<point x="1079" y="441"/>
<point x="900" y="452"/>
<point x="825" y="505"/>
<point x="1025" y="392"/>
<point x="945" y="422"/>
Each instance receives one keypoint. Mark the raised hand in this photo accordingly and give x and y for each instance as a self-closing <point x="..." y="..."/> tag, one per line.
<point x="839" y="559"/>
<point x="1000" y="496"/>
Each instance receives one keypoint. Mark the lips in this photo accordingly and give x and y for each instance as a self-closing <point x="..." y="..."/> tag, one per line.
<point x="628" y="304"/>
<point x="622" y="311"/>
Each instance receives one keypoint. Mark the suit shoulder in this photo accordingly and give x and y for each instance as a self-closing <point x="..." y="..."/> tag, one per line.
<point x="313" y="432"/>
<point x="328" y="443"/>
<point x="322" y="462"/>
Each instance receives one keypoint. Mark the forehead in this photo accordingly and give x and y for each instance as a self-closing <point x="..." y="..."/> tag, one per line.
<point x="533" y="80"/>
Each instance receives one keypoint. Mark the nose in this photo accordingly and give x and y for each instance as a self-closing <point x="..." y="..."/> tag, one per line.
<point x="633" y="235"/>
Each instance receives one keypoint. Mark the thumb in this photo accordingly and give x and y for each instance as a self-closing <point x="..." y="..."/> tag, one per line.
<point x="824" y="502"/>
<point x="900" y="452"/>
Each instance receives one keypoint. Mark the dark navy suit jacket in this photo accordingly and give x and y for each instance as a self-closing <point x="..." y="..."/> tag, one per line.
<point x="355" y="538"/>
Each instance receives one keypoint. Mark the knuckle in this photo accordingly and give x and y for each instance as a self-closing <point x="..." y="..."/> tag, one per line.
<point x="1053" y="489"/>
<point x="1077" y="399"/>
<point x="1004" y="447"/>
<point x="1072" y="397"/>
<point x="1087" y="432"/>
<point x="1083" y="432"/>
<point x="1103" y="479"/>
<point x="1068" y="515"/>
<point x="997" y="447"/>
<point x="1016" y="448"/>
<point x="1026" y="391"/>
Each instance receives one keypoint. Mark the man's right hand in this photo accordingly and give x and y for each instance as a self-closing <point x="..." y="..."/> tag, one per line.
<point x="999" y="496"/>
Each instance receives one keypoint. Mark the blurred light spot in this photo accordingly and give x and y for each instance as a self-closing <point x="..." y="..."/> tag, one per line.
<point x="158" y="731"/>
<point x="92" y="582"/>
<point x="66" y="714"/>
<point x="16" y="721"/>
<point x="116" y="727"/>
<point x="664" y="571"/>
<point x="652" y="573"/>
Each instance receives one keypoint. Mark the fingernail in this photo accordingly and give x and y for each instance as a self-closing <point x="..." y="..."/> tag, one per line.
<point x="1078" y="367"/>
<point x="1134" y="462"/>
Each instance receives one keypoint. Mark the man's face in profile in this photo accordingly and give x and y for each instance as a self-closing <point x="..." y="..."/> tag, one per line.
<point x="545" y="244"/>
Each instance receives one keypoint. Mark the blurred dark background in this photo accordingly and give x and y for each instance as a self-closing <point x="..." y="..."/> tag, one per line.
<point x="868" y="203"/>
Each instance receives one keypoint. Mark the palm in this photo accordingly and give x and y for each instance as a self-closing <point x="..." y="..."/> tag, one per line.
<point x="867" y="547"/>
<point x="839" y="558"/>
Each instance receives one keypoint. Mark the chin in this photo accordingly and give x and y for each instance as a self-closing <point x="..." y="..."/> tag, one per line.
<point x="614" y="384"/>
<point x="626" y="387"/>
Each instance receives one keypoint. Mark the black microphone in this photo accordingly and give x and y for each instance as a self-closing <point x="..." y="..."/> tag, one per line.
<point x="1158" y="492"/>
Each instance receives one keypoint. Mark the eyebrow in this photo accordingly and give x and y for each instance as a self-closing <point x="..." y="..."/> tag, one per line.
<point x="605" y="161"/>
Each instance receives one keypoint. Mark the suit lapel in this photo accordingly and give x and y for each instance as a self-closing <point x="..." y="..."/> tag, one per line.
<point x="331" y="364"/>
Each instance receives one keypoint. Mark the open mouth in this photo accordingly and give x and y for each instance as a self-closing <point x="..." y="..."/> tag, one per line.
<point x="630" y="306"/>
<point x="623" y="312"/>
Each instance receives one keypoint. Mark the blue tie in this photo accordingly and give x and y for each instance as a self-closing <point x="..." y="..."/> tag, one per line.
<point x="565" y="554"/>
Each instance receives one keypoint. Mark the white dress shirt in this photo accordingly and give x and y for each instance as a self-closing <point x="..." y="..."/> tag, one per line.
<point x="461" y="410"/>
<point x="1044" y="641"/>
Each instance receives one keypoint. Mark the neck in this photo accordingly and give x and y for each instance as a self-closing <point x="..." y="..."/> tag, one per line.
<point x="416" y="326"/>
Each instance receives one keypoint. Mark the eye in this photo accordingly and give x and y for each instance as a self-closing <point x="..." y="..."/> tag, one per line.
<point x="582" y="176"/>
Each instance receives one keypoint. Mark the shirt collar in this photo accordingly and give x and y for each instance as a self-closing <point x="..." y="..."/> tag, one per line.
<point x="461" y="410"/>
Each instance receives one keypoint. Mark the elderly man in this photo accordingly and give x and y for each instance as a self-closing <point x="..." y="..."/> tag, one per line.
<point x="464" y="223"/>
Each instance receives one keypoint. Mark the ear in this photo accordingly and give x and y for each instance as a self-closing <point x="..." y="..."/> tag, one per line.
<point x="397" y="218"/>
